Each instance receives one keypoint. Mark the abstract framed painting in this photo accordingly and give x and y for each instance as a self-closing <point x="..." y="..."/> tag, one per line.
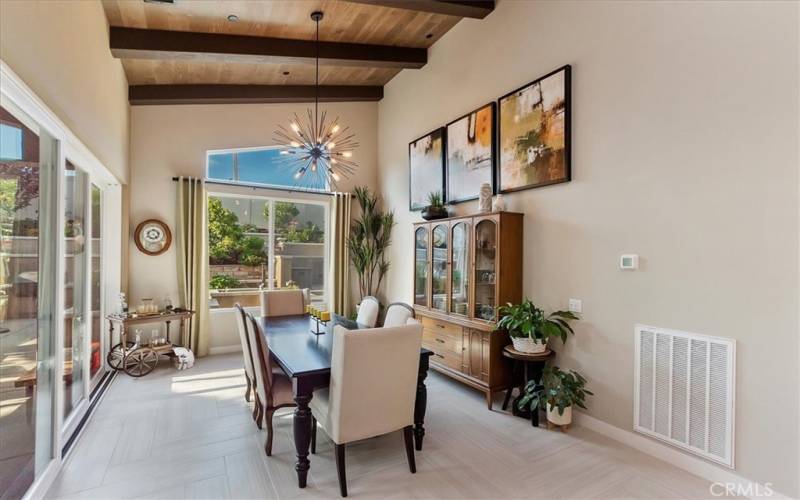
<point x="470" y="154"/>
<point x="425" y="167"/>
<point x="535" y="137"/>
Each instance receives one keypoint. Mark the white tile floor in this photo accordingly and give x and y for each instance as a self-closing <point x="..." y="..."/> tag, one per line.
<point x="189" y="434"/>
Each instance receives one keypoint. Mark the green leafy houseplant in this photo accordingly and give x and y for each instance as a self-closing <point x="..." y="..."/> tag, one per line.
<point x="369" y="238"/>
<point x="526" y="321"/>
<point x="435" y="209"/>
<point x="558" y="389"/>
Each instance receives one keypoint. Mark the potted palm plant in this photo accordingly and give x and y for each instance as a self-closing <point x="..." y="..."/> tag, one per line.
<point x="558" y="391"/>
<point x="435" y="209"/>
<point x="530" y="328"/>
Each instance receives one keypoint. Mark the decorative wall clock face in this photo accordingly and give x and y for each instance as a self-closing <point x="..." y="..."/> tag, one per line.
<point x="152" y="237"/>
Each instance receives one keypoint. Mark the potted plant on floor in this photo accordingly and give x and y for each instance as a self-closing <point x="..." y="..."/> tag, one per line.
<point x="530" y="328"/>
<point x="558" y="391"/>
<point x="435" y="209"/>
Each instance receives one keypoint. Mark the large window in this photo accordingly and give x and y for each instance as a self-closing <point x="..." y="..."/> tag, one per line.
<point x="264" y="166"/>
<point x="265" y="243"/>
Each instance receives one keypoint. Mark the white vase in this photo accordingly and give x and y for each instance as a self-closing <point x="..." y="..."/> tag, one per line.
<point x="529" y="345"/>
<point x="554" y="418"/>
<point x="499" y="203"/>
<point x="485" y="198"/>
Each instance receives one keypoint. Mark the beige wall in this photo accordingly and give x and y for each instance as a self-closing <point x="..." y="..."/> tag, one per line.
<point x="60" y="50"/>
<point x="685" y="151"/>
<point x="168" y="141"/>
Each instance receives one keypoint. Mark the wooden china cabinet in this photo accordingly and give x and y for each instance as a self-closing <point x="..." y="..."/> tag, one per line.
<point x="464" y="268"/>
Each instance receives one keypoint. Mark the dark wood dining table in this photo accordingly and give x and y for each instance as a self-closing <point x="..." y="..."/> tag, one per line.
<point x="306" y="358"/>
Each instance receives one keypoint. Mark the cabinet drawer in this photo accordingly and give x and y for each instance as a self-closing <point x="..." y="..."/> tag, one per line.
<point x="442" y="341"/>
<point x="441" y="327"/>
<point x="444" y="357"/>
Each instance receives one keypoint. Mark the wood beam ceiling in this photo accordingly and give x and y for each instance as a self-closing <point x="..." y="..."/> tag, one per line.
<point x="476" y="9"/>
<point x="137" y="43"/>
<point x="248" y="94"/>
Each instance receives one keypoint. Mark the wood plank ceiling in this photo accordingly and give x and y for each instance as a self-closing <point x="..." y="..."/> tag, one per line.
<point x="191" y="45"/>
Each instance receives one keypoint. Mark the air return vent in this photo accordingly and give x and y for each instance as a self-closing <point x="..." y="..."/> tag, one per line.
<point x="684" y="391"/>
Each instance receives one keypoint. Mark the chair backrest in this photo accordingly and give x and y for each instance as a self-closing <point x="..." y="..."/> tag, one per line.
<point x="368" y="311"/>
<point x="283" y="302"/>
<point x="398" y="313"/>
<point x="373" y="381"/>
<point x="261" y="361"/>
<point x="247" y="351"/>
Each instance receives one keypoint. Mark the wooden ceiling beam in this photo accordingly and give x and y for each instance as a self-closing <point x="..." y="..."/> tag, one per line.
<point x="139" y="95"/>
<point x="135" y="43"/>
<point x="475" y="9"/>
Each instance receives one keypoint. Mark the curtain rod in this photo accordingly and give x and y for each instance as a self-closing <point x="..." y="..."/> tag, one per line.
<point x="261" y="186"/>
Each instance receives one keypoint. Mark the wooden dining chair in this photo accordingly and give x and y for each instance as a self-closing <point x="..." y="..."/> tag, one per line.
<point x="372" y="390"/>
<point x="368" y="311"/>
<point x="273" y="387"/>
<point x="397" y="314"/>
<point x="283" y="302"/>
<point x="241" y="323"/>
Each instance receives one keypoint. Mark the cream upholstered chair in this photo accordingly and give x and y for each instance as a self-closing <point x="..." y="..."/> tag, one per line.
<point x="283" y="302"/>
<point x="372" y="390"/>
<point x="398" y="313"/>
<point x="241" y="322"/>
<point x="273" y="387"/>
<point x="368" y="311"/>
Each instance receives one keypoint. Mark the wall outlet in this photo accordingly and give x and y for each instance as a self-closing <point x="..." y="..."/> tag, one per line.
<point x="575" y="305"/>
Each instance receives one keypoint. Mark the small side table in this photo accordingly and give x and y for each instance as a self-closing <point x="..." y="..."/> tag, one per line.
<point x="526" y="367"/>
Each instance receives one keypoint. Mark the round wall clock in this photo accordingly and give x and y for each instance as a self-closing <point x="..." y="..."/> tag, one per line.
<point x="152" y="237"/>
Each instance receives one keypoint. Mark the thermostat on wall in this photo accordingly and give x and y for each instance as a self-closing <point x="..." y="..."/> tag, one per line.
<point x="629" y="262"/>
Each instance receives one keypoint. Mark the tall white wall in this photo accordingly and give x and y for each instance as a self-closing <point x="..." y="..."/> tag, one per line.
<point x="169" y="141"/>
<point x="685" y="151"/>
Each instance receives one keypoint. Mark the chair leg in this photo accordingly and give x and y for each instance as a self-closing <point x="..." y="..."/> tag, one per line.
<point x="408" y="437"/>
<point x="249" y="388"/>
<point x="268" y="444"/>
<point x="340" y="469"/>
<point x="313" y="435"/>
<point x="258" y="412"/>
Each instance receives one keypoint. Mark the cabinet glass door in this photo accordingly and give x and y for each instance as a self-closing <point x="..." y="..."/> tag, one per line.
<point x="485" y="269"/>
<point x="439" y="296"/>
<point x="459" y="270"/>
<point x="421" y="267"/>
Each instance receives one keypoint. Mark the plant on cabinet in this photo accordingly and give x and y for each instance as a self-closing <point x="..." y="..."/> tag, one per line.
<point x="530" y="328"/>
<point x="435" y="209"/>
<point x="558" y="391"/>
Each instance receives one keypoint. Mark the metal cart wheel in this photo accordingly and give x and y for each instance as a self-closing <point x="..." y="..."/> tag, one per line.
<point x="114" y="356"/>
<point x="140" y="362"/>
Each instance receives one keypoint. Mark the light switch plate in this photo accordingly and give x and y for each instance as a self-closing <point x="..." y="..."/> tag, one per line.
<point x="629" y="262"/>
<point x="575" y="305"/>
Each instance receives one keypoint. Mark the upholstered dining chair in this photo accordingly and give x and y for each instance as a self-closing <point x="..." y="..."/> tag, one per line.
<point x="241" y="322"/>
<point x="273" y="387"/>
<point x="398" y="313"/>
<point x="372" y="389"/>
<point x="368" y="311"/>
<point x="284" y="302"/>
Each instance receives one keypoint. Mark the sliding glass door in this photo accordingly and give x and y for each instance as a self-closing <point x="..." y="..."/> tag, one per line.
<point x="75" y="290"/>
<point x="97" y="345"/>
<point x="28" y="196"/>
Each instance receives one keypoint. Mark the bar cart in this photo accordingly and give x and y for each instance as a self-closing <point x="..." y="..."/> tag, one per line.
<point x="138" y="359"/>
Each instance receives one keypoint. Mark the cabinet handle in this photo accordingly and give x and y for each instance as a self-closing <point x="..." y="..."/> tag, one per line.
<point x="440" y="340"/>
<point x="439" y="326"/>
<point x="439" y="355"/>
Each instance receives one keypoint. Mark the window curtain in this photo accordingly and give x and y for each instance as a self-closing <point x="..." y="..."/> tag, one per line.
<point x="339" y="272"/>
<point x="192" y="240"/>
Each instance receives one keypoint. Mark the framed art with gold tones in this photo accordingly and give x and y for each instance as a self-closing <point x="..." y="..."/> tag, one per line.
<point x="152" y="237"/>
<point x="470" y="154"/>
<point x="535" y="136"/>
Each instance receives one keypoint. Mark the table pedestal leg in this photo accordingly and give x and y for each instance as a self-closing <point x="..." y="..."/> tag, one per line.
<point x="420" y="403"/>
<point x="302" y="437"/>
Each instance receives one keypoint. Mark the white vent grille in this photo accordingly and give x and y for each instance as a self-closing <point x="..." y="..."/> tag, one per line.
<point x="685" y="389"/>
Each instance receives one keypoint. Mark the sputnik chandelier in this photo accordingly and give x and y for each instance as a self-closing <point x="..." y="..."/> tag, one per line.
<point x="317" y="151"/>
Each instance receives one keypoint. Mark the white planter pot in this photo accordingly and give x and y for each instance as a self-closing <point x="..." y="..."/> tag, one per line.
<point x="555" y="418"/>
<point x="529" y="345"/>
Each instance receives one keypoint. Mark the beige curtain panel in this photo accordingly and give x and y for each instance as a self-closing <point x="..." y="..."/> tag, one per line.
<point x="192" y="249"/>
<point x="339" y="275"/>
